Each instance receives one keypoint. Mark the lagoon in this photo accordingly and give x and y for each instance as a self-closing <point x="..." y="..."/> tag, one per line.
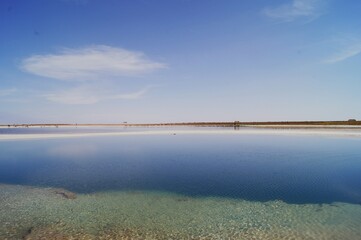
<point x="179" y="184"/>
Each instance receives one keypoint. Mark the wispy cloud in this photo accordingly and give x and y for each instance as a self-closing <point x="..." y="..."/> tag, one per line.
<point x="7" y="92"/>
<point x="296" y="9"/>
<point x="347" y="53"/>
<point x="133" y="95"/>
<point x="78" y="95"/>
<point x="89" y="95"/>
<point x="90" y="63"/>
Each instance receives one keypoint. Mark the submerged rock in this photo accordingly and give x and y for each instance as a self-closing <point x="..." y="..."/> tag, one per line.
<point x="65" y="193"/>
<point x="47" y="233"/>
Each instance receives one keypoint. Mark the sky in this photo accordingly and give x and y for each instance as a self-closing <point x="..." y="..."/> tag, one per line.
<point x="142" y="61"/>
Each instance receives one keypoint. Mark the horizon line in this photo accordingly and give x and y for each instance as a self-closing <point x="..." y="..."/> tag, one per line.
<point x="319" y="122"/>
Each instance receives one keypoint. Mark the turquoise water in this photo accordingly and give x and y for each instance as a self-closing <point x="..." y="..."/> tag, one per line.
<point x="183" y="186"/>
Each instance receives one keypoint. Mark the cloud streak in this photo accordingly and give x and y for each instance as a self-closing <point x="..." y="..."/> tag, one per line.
<point x="90" y="63"/>
<point x="7" y="92"/>
<point x="87" y="95"/>
<point x="296" y="9"/>
<point x="345" y="54"/>
<point x="129" y="96"/>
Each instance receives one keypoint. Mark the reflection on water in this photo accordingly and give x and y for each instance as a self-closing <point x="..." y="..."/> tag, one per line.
<point x="235" y="186"/>
<point x="258" y="168"/>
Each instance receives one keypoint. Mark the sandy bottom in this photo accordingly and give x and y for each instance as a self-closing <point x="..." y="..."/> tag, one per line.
<point x="42" y="213"/>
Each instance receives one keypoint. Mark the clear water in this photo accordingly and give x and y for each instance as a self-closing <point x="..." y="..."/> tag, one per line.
<point x="188" y="186"/>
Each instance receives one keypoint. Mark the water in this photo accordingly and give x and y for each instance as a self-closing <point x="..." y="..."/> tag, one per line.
<point x="190" y="186"/>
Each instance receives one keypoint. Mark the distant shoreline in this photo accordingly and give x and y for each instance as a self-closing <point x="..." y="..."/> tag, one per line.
<point x="282" y="124"/>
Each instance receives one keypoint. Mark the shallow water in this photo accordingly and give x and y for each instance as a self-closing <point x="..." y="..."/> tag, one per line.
<point x="189" y="186"/>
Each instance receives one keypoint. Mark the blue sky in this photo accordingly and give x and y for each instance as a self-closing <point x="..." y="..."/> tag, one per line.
<point x="90" y="61"/>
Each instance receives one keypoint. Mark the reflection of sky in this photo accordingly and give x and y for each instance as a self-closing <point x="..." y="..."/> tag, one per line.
<point x="75" y="152"/>
<point x="294" y="169"/>
<point x="175" y="61"/>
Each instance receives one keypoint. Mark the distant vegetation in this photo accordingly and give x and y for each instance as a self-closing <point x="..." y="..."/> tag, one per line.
<point x="350" y="122"/>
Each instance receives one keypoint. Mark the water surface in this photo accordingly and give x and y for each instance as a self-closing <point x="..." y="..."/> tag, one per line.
<point x="251" y="184"/>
